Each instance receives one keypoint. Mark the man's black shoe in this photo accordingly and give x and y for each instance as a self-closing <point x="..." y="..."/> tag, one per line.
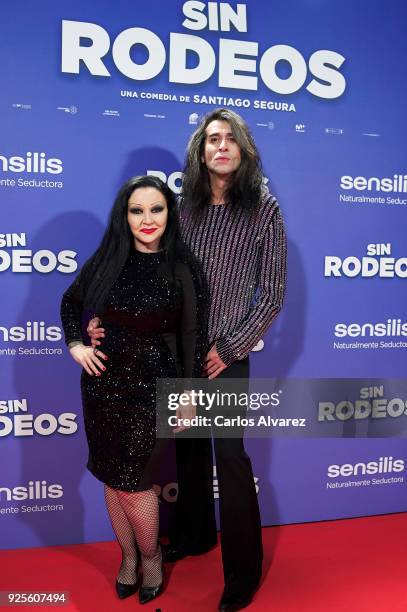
<point x="230" y="603"/>
<point x="172" y="553"/>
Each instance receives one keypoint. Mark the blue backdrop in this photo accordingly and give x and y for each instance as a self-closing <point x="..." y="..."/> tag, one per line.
<point x="321" y="87"/>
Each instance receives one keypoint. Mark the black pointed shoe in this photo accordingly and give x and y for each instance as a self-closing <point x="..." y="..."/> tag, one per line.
<point x="126" y="590"/>
<point x="146" y="594"/>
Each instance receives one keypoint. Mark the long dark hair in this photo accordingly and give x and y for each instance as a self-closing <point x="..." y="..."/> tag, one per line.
<point x="103" y="268"/>
<point x="244" y="190"/>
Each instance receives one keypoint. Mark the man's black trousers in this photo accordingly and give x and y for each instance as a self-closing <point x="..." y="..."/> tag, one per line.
<point x="194" y="528"/>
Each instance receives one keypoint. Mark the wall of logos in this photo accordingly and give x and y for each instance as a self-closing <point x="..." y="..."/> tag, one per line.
<point x="92" y="95"/>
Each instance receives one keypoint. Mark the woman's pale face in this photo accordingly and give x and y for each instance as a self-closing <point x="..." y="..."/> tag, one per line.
<point x="147" y="214"/>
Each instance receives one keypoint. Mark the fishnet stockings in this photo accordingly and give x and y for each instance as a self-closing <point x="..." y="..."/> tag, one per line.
<point x="125" y="536"/>
<point x="134" y="518"/>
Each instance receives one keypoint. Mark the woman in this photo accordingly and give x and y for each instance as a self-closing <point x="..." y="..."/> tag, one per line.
<point x="149" y="293"/>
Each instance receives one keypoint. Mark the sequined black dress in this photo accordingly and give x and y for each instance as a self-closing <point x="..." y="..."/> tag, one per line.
<point x="153" y="329"/>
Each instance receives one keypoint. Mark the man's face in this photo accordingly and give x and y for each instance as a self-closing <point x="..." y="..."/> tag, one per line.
<point x="221" y="152"/>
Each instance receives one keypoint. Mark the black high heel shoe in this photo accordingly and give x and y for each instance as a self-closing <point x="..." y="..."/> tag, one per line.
<point x="126" y="590"/>
<point x="146" y="594"/>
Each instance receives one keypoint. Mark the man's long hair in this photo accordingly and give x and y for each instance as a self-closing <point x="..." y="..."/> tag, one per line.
<point x="244" y="190"/>
<point x="101" y="271"/>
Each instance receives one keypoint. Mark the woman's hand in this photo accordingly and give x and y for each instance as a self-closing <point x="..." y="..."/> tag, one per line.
<point x="88" y="358"/>
<point x="95" y="331"/>
<point x="213" y="364"/>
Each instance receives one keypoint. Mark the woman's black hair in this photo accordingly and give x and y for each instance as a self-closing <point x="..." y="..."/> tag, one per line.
<point x="100" y="272"/>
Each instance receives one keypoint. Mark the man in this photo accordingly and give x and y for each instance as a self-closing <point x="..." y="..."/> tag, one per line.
<point x="234" y="227"/>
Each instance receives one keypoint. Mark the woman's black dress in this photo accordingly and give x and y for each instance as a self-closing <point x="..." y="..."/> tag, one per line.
<point x="153" y="329"/>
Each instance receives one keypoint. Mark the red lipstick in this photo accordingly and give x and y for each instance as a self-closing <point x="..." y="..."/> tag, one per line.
<point x="149" y="230"/>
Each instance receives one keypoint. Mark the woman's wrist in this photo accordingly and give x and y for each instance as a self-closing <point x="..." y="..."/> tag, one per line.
<point x="75" y="343"/>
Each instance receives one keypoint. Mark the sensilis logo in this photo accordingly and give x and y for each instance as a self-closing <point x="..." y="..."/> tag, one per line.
<point x="31" y="331"/>
<point x="35" y="489"/>
<point x="392" y="328"/>
<point x="396" y="184"/>
<point x="384" y="465"/>
<point x="31" y="163"/>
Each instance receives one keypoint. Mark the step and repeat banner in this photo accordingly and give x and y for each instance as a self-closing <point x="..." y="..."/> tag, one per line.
<point x="93" y="93"/>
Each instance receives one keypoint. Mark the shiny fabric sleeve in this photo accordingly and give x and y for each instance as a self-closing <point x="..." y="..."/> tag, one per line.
<point x="193" y="324"/>
<point x="269" y="300"/>
<point x="71" y="317"/>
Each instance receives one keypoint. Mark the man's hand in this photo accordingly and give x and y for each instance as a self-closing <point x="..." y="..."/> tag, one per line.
<point x="95" y="331"/>
<point x="213" y="364"/>
<point x="88" y="358"/>
<point x="184" y="412"/>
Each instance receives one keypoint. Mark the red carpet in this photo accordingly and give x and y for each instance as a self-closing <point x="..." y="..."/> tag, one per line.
<point x="357" y="565"/>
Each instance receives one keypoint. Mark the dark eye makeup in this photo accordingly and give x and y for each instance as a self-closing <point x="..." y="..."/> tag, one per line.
<point x="139" y="211"/>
